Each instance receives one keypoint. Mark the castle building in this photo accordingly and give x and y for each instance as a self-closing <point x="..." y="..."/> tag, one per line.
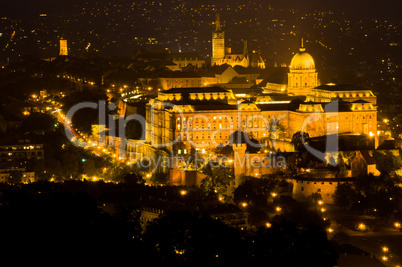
<point x="205" y="117"/>
<point x="223" y="55"/>
<point x="185" y="59"/>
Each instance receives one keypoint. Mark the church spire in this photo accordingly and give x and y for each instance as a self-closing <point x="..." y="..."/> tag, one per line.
<point x="217" y="22"/>
<point x="245" y="50"/>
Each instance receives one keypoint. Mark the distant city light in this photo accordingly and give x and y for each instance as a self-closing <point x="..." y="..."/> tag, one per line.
<point x="278" y="209"/>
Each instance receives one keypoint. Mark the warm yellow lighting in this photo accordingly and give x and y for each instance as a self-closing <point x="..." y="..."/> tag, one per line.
<point x="397" y="225"/>
<point x="244" y="204"/>
<point x="220" y="198"/>
<point x="274" y="194"/>
<point x="320" y="202"/>
<point x="385" y="249"/>
<point x="278" y="209"/>
<point x="183" y="192"/>
<point x="384" y="258"/>
<point x="362" y="226"/>
<point x="323" y="209"/>
<point x="268" y="225"/>
<point x="330" y="230"/>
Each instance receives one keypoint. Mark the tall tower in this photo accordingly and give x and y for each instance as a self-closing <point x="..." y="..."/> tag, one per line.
<point x="63" y="48"/>
<point x="218" y="43"/>
<point x="302" y="76"/>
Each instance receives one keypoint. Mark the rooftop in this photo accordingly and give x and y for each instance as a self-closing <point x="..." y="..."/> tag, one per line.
<point x="212" y="89"/>
<point x="340" y="87"/>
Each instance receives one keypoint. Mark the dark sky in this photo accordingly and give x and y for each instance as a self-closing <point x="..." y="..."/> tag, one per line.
<point x="358" y="8"/>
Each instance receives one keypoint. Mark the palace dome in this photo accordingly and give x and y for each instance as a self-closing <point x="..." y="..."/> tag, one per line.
<point x="302" y="61"/>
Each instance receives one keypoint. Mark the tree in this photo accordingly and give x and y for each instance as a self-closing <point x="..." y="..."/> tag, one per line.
<point x="38" y="122"/>
<point x="342" y="168"/>
<point x="133" y="178"/>
<point x="297" y="140"/>
<point x="386" y="161"/>
<point x="69" y="161"/>
<point x="224" y="150"/>
<point x="254" y="190"/>
<point x="345" y="195"/>
<point x="219" y="182"/>
<point x="54" y="168"/>
<point x="191" y="238"/>
<point x="291" y="245"/>
<point x="66" y="223"/>
<point x="89" y="167"/>
<point x="117" y="172"/>
<point x="277" y="131"/>
<point x="314" y="198"/>
<point x="159" y="178"/>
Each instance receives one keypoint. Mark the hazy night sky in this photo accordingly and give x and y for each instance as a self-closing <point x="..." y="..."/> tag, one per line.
<point x="358" y="8"/>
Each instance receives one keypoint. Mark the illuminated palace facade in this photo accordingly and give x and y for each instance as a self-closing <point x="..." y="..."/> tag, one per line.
<point x="206" y="117"/>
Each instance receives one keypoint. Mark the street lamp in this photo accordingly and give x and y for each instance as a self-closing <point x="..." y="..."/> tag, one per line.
<point x="278" y="209"/>
<point x="362" y="226"/>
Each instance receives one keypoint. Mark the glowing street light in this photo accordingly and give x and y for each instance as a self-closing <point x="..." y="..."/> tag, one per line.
<point x="274" y="194"/>
<point x="320" y="202"/>
<point x="385" y="249"/>
<point x="183" y="192"/>
<point x="362" y="226"/>
<point x="278" y="209"/>
<point x="268" y="225"/>
<point x="397" y="225"/>
<point x="330" y="230"/>
<point x="384" y="258"/>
